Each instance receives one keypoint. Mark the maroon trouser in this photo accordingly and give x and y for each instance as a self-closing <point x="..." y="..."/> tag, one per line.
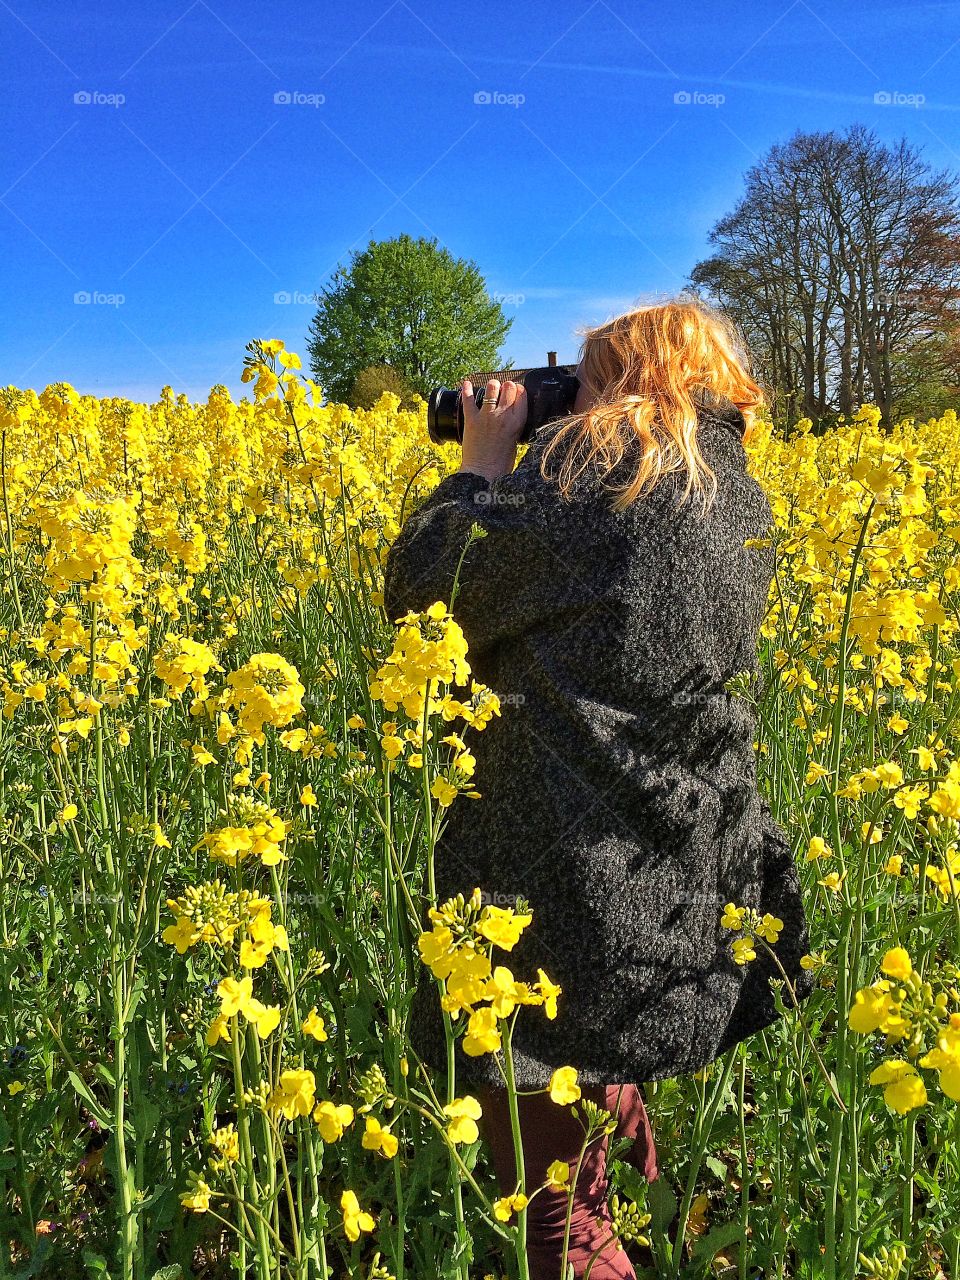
<point x="549" y="1131"/>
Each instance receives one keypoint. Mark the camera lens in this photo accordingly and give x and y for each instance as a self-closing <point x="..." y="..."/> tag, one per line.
<point x="444" y="415"/>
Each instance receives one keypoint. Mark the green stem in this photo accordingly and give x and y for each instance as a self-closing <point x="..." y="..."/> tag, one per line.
<point x="521" y="1232"/>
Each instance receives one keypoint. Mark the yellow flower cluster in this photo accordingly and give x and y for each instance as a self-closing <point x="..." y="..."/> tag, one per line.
<point x="211" y="913"/>
<point x="455" y="952"/>
<point x="226" y="1147"/>
<point x="908" y="1012"/>
<point x="749" y="922"/>
<point x="428" y="648"/>
<point x="89" y="542"/>
<point x="183" y="662"/>
<point x="255" y="829"/>
<point x="429" y="654"/>
<point x="266" y="691"/>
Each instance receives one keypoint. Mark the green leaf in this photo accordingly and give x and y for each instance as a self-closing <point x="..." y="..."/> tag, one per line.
<point x="717" y="1238"/>
<point x="716" y="1167"/>
<point x="662" y="1205"/>
<point x="96" y="1265"/>
<point x="105" y="1074"/>
<point x="96" y="1109"/>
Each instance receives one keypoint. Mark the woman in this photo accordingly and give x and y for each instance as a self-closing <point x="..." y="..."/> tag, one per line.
<point x="616" y="590"/>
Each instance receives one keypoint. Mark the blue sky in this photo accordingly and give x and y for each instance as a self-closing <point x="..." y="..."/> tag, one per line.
<point x="149" y="165"/>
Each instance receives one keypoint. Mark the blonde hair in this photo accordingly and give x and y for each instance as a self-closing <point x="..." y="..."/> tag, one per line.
<point x="648" y="369"/>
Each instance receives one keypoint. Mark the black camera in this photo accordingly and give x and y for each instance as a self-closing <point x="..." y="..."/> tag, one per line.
<point x="551" y="393"/>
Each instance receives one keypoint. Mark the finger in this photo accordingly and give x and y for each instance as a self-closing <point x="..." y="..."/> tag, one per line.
<point x="508" y="395"/>
<point x="490" y="394"/>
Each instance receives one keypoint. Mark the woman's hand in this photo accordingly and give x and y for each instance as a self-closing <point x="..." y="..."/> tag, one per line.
<point x="492" y="432"/>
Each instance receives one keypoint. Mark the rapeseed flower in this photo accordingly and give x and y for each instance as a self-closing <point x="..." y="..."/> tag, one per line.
<point x="355" y="1219"/>
<point x="464" y="1114"/>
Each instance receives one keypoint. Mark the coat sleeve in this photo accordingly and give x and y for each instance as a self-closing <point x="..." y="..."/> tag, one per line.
<point x="503" y="588"/>
<point x="781" y="895"/>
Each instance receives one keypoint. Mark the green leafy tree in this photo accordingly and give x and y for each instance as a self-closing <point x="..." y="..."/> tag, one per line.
<point x="408" y="304"/>
<point x="370" y="384"/>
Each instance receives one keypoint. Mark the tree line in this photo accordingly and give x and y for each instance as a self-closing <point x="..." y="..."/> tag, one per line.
<point x="840" y="263"/>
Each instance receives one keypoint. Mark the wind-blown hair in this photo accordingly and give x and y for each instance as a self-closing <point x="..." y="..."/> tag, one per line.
<point x="649" y="370"/>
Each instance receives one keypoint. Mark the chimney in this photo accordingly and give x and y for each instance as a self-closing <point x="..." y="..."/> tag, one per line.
<point x="552" y="359"/>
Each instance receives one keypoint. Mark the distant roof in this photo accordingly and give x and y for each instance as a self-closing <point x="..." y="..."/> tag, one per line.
<point x="512" y="375"/>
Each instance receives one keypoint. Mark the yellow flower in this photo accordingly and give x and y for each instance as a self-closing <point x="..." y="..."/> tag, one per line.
<point x="548" y="992"/>
<point x="904" y="1090"/>
<point x="436" y="950"/>
<point x="253" y="956"/>
<point x="198" y="1197"/>
<point x="226" y="1142"/>
<point x="483" y="1035"/>
<point x="743" y="951"/>
<point x="945" y="1058"/>
<point x="506" y="1206"/>
<point x="332" y="1119"/>
<point x="313" y="1025"/>
<point x="870" y="1007"/>
<point x="355" y="1219"/>
<point x="234" y="995"/>
<point x="501" y="926"/>
<point x="308" y="796"/>
<point x="444" y="792"/>
<point x="558" y="1176"/>
<point x="68" y="813"/>
<point x="467" y="978"/>
<point x="219" y="1030"/>
<point x="563" y="1086"/>
<point x="264" y="1018"/>
<point x="503" y="991"/>
<point x="769" y="927"/>
<point x="896" y="964"/>
<point x="182" y="935"/>
<point x="464" y="1113"/>
<point x="833" y="881"/>
<point x="732" y="917"/>
<point x="378" y="1138"/>
<point x="818" y="848"/>
<point x="15" y="1087"/>
<point x="294" y="1095"/>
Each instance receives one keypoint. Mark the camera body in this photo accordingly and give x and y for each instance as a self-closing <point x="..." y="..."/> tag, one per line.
<point x="551" y="393"/>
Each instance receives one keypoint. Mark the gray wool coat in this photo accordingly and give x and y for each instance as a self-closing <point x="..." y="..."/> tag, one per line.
<point x="619" y="787"/>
